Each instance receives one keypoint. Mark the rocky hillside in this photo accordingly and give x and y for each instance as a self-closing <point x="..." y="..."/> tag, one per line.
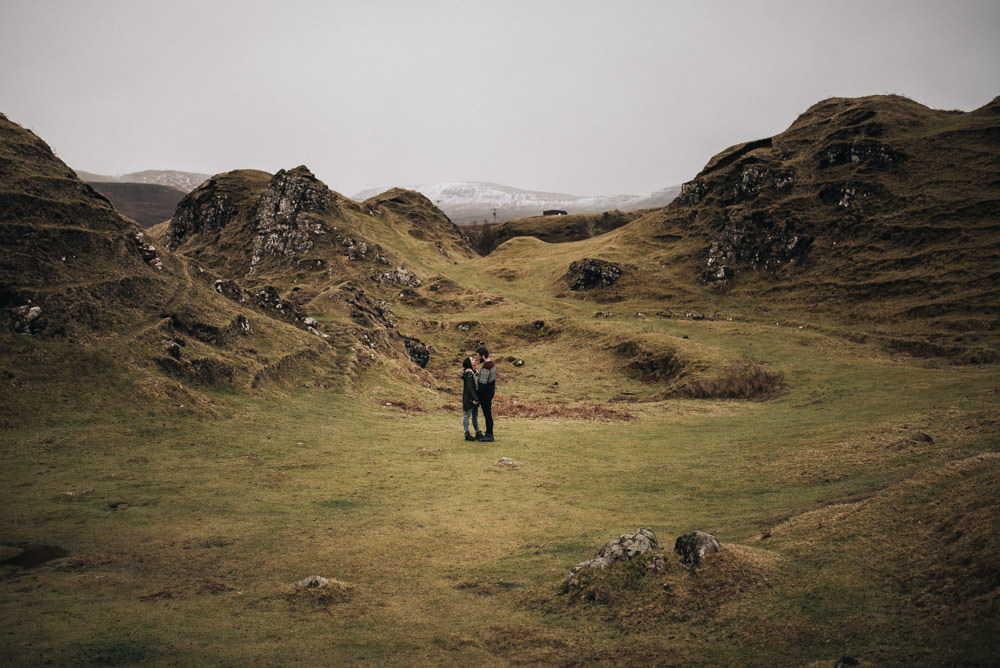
<point x="874" y="209"/>
<point x="75" y="273"/>
<point x="290" y="224"/>
<point x="346" y="262"/>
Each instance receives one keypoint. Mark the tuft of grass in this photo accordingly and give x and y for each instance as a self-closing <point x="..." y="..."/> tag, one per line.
<point x="751" y="381"/>
<point x="509" y="406"/>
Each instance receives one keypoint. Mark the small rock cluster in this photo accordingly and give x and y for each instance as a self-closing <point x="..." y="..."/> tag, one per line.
<point x="359" y="250"/>
<point x="148" y="252"/>
<point x="872" y="153"/>
<point x="691" y="548"/>
<point x="400" y="276"/>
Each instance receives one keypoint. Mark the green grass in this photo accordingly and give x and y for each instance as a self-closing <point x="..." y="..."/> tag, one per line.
<point x="199" y="524"/>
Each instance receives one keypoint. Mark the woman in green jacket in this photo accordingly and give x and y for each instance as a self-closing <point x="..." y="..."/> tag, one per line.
<point x="470" y="400"/>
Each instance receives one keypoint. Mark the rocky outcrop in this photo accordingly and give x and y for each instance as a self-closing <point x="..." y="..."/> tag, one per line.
<point x="27" y="319"/>
<point x="268" y="300"/>
<point x="419" y="353"/>
<point x="284" y="225"/>
<point x="589" y="273"/>
<point x="215" y="204"/>
<point x="756" y="240"/>
<point x="398" y="277"/>
<point x="862" y="153"/>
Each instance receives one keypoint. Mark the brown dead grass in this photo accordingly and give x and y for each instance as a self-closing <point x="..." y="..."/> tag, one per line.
<point x="750" y="380"/>
<point x="543" y="408"/>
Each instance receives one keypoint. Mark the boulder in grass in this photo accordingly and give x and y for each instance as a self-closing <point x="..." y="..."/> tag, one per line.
<point x="692" y="547"/>
<point x="313" y="582"/>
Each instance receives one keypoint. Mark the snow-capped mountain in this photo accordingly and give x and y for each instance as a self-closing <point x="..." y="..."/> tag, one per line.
<point x="469" y="202"/>
<point x="184" y="181"/>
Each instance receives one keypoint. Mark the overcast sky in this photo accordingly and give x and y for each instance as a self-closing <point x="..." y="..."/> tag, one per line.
<point x="583" y="97"/>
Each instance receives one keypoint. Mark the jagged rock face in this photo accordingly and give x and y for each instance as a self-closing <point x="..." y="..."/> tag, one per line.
<point x="284" y="225"/>
<point x="193" y="216"/>
<point x="754" y="241"/>
<point x="590" y="273"/>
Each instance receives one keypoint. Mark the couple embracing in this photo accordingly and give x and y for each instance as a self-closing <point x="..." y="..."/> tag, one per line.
<point x="478" y="388"/>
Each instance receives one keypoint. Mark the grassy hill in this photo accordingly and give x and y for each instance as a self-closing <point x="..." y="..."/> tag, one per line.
<point x="834" y="429"/>
<point x="550" y="229"/>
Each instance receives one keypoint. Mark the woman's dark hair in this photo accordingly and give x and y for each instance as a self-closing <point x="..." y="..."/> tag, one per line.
<point x="467" y="363"/>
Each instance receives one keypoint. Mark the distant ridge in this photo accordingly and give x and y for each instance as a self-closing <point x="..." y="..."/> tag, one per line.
<point x="471" y="202"/>
<point x="183" y="181"/>
<point x="147" y="197"/>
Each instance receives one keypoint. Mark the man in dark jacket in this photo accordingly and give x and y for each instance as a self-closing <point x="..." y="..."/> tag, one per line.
<point x="486" y="389"/>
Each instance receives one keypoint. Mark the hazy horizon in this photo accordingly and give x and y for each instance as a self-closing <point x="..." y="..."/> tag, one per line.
<point x="583" y="97"/>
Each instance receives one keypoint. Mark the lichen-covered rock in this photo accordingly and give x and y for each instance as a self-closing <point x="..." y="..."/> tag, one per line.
<point x="692" y="547"/>
<point x="589" y="273"/>
<point x="692" y="192"/>
<point x="623" y="548"/>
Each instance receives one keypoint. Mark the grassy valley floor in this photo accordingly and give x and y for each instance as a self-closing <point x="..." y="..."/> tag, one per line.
<point x="174" y="531"/>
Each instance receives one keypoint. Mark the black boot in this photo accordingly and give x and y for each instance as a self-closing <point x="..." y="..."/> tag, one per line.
<point x="469" y="437"/>
<point x="487" y="438"/>
<point x="479" y="435"/>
